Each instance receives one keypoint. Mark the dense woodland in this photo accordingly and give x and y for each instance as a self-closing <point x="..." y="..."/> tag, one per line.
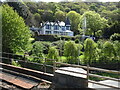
<point x="103" y="22"/>
<point x="36" y="13"/>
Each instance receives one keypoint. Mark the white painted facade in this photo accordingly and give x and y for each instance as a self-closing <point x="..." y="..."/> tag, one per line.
<point x="57" y="28"/>
<point x="54" y="28"/>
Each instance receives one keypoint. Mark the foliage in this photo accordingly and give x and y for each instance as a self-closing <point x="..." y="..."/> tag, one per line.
<point x="116" y="45"/>
<point x="114" y="28"/>
<point x="53" y="54"/>
<point x="46" y="46"/>
<point x="108" y="49"/>
<point x="38" y="19"/>
<point x="20" y="7"/>
<point x="108" y="10"/>
<point x="37" y="52"/>
<point x="115" y="36"/>
<point x="90" y="53"/>
<point x="72" y="51"/>
<point x="99" y="33"/>
<point x="77" y="40"/>
<point x="60" y="15"/>
<point x="15" y="63"/>
<point x="60" y="46"/>
<point x="75" y="20"/>
<point x="15" y="33"/>
<point x="94" y="21"/>
<point x="47" y="15"/>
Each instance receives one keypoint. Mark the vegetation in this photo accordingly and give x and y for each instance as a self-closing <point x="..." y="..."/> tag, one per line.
<point x="15" y="33"/>
<point x="15" y="63"/>
<point x="37" y="51"/>
<point x="90" y="53"/>
<point x="102" y="22"/>
<point x="100" y="16"/>
<point x="94" y="22"/>
<point x="52" y="55"/>
<point x="72" y="51"/>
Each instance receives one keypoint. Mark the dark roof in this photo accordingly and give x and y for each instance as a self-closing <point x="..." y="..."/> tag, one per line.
<point x="67" y="22"/>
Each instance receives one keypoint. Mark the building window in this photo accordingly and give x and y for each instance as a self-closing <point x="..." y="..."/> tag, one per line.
<point x="48" y="32"/>
<point x="67" y="28"/>
<point x="48" y="27"/>
<point x="63" y="28"/>
<point x="56" y="27"/>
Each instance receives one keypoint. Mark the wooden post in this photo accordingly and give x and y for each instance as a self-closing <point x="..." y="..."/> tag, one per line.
<point x="45" y="66"/>
<point x="54" y="66"/>
<point x="87" y="73"/>
<point x="24" y="56"/>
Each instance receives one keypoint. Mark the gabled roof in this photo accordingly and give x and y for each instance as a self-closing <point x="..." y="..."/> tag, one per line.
<point x="57" y="23"/>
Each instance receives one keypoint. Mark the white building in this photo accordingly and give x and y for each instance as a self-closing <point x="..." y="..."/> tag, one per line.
<point x="57" y="28"/>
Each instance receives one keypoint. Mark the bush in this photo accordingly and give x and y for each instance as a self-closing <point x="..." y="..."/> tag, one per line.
<point x="53" y="37"/>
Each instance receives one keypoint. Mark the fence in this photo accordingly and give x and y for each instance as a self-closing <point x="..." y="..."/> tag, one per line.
<point x="56" y="64"/>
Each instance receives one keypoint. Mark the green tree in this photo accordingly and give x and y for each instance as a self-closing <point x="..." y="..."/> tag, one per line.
<point x="53" y="54"/>
<point x="60" y="15"/>
<point x="14" y="31"/>
<point x="117" y="49"/>
<point x="72" y="51"/>
<point x="90" y="53"/>
<point x="37" y="51"/>
<point x="20" y="7"/>
<point x="94" y="21"/>
<point x="108" y="50"/>
<point x="47" y="15"/>
<point x="38" y="19"/>
<point x="75" y="20"/>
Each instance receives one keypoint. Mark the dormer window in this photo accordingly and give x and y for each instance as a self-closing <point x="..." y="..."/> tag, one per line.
<point x="56" y="27"/>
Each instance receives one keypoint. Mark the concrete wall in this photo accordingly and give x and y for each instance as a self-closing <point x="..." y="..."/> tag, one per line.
<point x="65" y="80"/>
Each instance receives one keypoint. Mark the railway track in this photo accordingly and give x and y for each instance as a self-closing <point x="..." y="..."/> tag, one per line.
<point x="17" y="78"/>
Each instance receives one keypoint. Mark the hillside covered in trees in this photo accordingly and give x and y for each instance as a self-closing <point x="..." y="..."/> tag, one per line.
<point x="106" y="15"/>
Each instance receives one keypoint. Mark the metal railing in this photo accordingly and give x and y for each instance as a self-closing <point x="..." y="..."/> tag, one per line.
<point x="87" y="68"/>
